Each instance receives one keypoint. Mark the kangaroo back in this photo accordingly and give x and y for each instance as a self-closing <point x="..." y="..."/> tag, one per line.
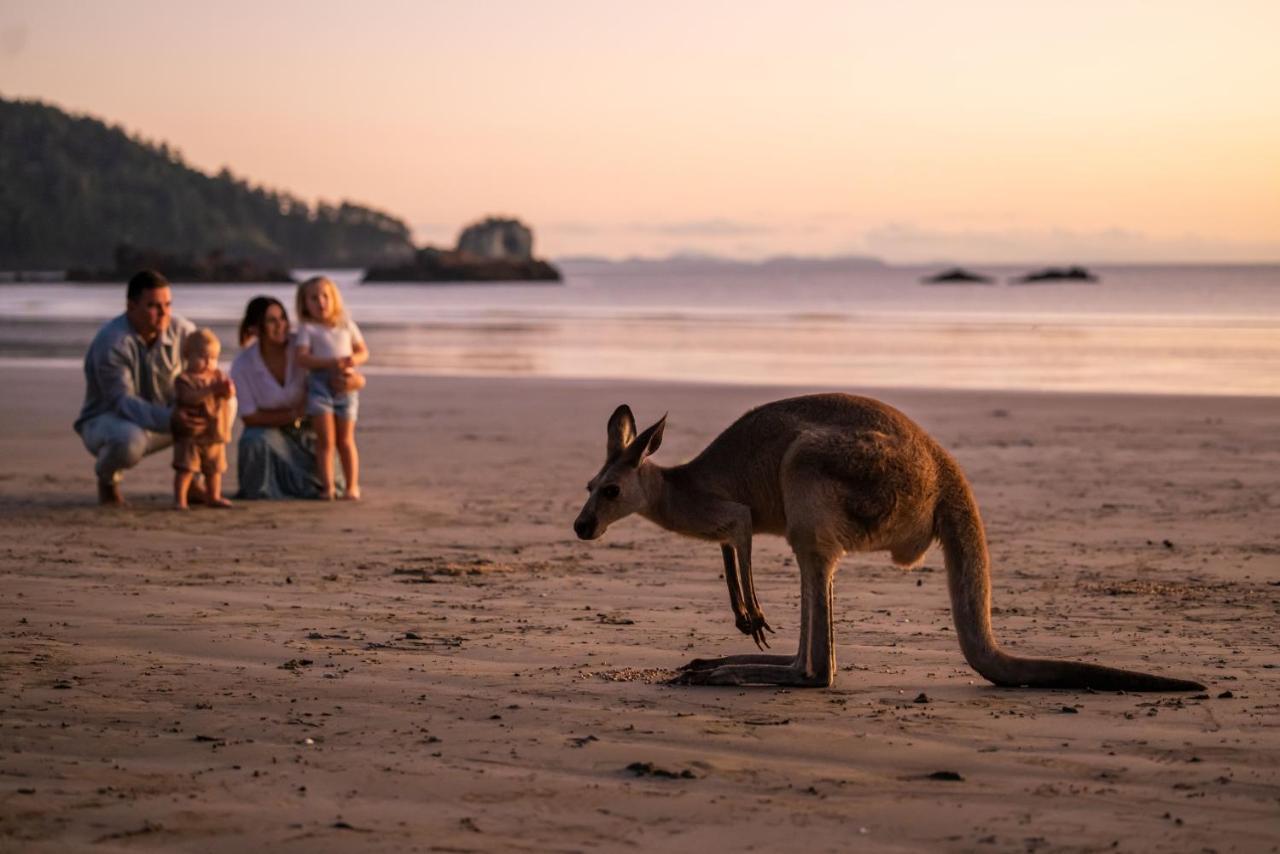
<point x="745" y="462"/>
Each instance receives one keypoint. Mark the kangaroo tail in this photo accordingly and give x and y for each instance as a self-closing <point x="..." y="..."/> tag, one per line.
<point x="959" y="528"/>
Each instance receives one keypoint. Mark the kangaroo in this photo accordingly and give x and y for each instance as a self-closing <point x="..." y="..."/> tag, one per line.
<point x="832" y="473"/>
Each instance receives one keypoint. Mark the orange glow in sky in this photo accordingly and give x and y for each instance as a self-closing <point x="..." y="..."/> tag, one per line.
<point x="982" y="131"/>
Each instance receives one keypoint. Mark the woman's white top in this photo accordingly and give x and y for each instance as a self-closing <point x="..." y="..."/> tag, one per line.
<point x="258" y="388"/>
<point x="330" y="342"/>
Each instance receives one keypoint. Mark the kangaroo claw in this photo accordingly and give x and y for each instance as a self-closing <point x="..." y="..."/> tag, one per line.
<point x="754" y="626"/>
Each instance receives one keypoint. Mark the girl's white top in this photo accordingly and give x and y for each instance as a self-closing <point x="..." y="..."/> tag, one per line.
<point x="258" y="389"/>
<point x="330" y="342"/>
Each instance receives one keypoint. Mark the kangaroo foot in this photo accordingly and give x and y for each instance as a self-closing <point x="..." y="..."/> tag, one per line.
<point x="754" y="626"/>
<point x="713" y="663"/>
<point x="786" y="675"/>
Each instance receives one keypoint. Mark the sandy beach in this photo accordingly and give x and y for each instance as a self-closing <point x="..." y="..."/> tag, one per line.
<point x="445" y="667"/>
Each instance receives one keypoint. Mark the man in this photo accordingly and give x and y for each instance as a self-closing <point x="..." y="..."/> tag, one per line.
<point x="129" y="372"/>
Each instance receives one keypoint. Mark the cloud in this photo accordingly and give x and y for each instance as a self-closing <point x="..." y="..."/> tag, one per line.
<point x="13" y="40"/>
<point x="576" y="228"/>
<point x="714" y="227"/>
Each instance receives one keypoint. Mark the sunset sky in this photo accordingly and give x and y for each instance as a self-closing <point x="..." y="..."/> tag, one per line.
<point x="980" y="131"/>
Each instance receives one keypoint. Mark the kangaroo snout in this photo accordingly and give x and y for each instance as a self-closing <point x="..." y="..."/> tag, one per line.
<point x="585" y="527"/>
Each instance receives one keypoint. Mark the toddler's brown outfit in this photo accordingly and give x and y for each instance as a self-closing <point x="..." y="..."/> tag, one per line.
<point x="207" y="449"/>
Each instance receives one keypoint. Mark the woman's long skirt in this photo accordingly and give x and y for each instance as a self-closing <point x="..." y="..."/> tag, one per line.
<point x="279" y="462"/>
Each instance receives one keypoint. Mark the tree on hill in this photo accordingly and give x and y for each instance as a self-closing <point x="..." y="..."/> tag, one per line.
<point x="73" y="189"/>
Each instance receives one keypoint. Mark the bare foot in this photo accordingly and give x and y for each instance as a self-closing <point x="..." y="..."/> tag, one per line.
<point x="218" y="503"/>
<point x="109" y="494"/>
<point x="352" y="494"/>
<point x="181" y="507"/>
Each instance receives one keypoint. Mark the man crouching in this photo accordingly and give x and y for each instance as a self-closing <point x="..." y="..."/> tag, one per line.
<point x="129" y="373"/>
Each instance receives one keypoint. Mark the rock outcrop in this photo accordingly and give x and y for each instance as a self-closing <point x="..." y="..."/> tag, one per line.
<point x="1056" y="274"/>
<point x="495" y="239"/>
<point x="492" y="250"/>
<point x="957" y="275"/>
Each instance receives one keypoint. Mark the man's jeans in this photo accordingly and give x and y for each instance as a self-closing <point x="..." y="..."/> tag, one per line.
<point x="119" y="444"/>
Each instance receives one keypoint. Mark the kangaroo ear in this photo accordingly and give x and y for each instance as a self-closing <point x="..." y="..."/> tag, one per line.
<point x="646" y="443"/>
<point x="622" y="431"/>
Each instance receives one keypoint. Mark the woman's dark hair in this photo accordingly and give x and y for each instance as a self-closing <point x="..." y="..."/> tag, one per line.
<point x="254" y="313"/>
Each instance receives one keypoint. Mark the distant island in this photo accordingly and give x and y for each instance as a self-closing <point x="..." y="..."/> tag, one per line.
<point x="1056" y="274"/>
<point x="495" y="249"/>
<point x="958" y="276"/>
<point x="75" y="189"/>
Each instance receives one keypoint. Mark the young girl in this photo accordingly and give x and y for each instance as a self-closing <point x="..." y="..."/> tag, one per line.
<point x="329" y="342"/>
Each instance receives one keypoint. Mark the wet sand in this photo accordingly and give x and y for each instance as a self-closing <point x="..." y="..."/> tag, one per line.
<point x="446" y="668"/>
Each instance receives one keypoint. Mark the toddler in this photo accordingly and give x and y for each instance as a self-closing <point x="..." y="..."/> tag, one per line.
<point x="202" y="390"/>
<point x="330" y="342"/>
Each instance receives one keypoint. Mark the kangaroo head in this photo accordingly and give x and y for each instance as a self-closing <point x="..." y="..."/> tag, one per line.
<point x="618" y="490"/>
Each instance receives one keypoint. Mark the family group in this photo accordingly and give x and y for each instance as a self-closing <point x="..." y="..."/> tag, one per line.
<point x="152" y="381"/>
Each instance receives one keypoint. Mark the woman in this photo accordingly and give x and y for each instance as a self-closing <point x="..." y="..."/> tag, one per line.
<point x="276" y="456"/>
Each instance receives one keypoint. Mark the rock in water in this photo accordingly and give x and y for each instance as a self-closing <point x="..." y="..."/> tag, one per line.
<point x="495" y="239"/>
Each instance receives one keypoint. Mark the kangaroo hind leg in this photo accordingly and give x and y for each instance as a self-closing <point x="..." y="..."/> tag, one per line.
<point x="814" y="663"/>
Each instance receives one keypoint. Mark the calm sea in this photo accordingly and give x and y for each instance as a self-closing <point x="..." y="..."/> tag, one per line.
<point x="1198" y="330"/>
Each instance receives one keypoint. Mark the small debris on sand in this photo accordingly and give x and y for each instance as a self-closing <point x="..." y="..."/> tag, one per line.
<point x="648" y="769"/>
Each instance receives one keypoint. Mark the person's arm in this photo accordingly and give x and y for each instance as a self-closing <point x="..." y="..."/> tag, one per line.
<point x="359" y="350"/>
<point x="341" y="383"/>
<point x="271" y="417"/>
<point x="316" y="363"/>
<point x="359" y="353"/>
<point x="251" y="413"/>
<point x="226" y="415"/>
<point x="114" y="374"/>
<point x="225" y="387"/>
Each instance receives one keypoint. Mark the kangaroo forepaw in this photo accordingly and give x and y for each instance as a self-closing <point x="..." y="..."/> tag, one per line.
<point x="754" y="626"/>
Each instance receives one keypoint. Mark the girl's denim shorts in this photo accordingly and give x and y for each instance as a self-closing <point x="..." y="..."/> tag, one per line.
<point x="322" y="401"/>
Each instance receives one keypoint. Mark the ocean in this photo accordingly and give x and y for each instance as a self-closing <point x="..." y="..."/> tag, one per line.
<point x="1201" y="330"/>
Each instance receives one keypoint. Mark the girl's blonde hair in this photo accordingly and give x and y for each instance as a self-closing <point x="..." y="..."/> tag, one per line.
<point x="338" y="311"/>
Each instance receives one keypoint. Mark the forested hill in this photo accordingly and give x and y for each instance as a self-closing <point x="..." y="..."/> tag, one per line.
<point x="72" y="189"/>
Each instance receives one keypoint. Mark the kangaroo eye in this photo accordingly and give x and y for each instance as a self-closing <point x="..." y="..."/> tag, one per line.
<point x="611" y="491"/>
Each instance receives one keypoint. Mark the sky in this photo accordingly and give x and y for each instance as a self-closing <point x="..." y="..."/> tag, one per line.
<point x="984" y="131"/>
